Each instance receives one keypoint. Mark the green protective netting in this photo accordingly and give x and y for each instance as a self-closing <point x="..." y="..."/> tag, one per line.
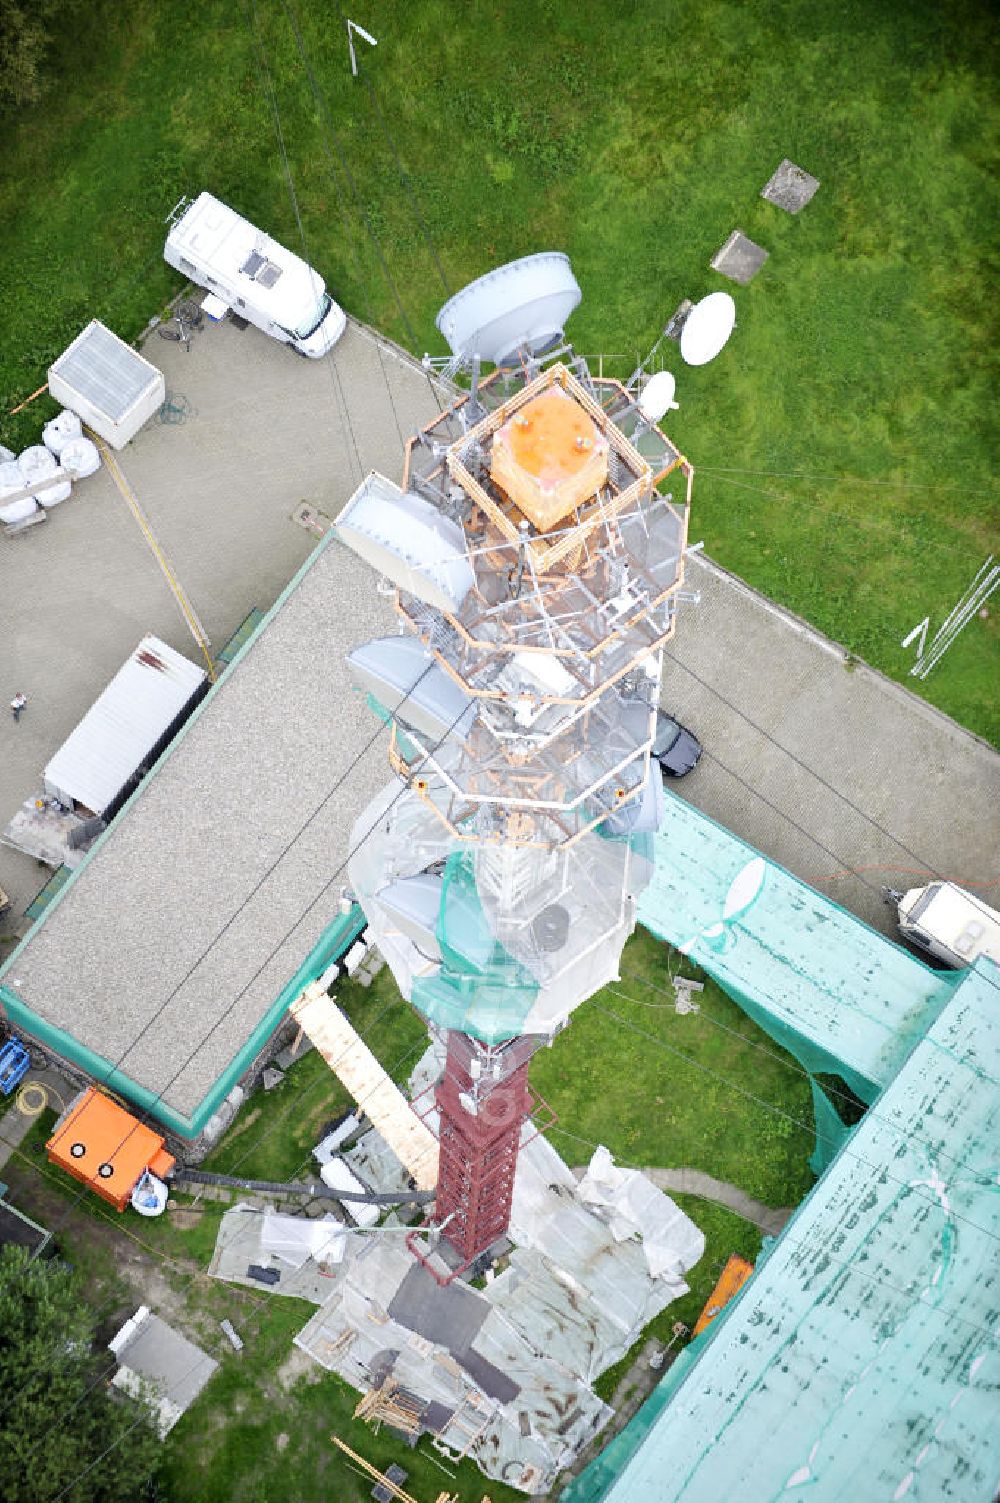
<point x="406" y="746"/>
<point x="831" y="1132"/>
<point x="480" y="988"/>
<point x="840" y="998"/>
<point x="861" y="1360"/>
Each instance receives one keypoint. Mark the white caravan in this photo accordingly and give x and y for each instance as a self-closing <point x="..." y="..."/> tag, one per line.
<point x="254" y="275"/>
<point x="949" y="923"/>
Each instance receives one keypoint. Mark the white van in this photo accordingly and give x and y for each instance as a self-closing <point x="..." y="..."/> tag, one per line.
<point x="949" y="923"/>
<point x="259" y="280"/>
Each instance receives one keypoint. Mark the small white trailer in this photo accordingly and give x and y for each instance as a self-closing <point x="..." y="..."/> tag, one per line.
<point x="125" y="730"/>
<point x="949" y="923"/>
<point x="253" y="275"/>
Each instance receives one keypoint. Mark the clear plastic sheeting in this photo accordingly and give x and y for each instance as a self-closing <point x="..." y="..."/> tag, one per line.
<point x="525" y="1442"/>
<point x="294" y="1239"/>
<point x="398" y="836"/>
<point x="404" y="677"/>
<point x="572" y="1288"/>
<point x="414" y="902"/>
<point x="519" y="937"/>
<point x="504" y="1375"/>
<point x="239" y="1247"/>
<point x="634" y="1207"/>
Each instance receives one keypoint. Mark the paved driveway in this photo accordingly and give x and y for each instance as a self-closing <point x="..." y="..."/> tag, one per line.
<point x="839" y="774"/>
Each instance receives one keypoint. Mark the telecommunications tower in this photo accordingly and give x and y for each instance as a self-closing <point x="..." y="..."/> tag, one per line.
<point x="535" y="554"/>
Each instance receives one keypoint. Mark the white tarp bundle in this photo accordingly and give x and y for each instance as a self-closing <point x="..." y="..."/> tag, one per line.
<point x="12" y="483"/>
<point x="632" y="1206"/>
<point x="60" y="431"/>
<point x="295" y="1239"/>
<point x="335" y="1174"/>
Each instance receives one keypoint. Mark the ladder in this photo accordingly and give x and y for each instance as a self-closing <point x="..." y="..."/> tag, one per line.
<point x="356" y="1067"/>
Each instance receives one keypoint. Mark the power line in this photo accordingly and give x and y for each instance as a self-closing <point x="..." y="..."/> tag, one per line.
<point x="279" y="1122"/>
<point x="336" y="786"/>
<point x="331" y="138"/>
<point x="348" y="240"/>
<point x="793" y="757"/>
<point x="222" y="1018"/>
<point x="888" y="528"/>
<point x="776" y="1110"/>
<point x="405" y="180"/>
<point x="790" y="1062"/>
<point x="787" y="1238"/>
<point x="783" y="814"/>
<point x="328" y="124"/>
<point x="888" y="481"/>
<point x="265" y="73"/>
<point x="791" y="1240"/>
<point x="261" y="1305"/>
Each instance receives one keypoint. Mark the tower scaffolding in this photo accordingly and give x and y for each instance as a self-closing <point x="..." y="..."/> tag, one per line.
<point x="536" y="555"/>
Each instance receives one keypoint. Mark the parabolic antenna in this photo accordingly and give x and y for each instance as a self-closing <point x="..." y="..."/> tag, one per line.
<point x="658" y="396"/>
<point x="707" y="327"/>
<point x="523" y="305"/>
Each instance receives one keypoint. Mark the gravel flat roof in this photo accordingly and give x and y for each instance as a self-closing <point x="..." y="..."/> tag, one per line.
<point x="168" y="949"/>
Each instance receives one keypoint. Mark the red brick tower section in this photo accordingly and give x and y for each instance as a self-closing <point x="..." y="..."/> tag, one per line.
<point x="483" y="1101"/>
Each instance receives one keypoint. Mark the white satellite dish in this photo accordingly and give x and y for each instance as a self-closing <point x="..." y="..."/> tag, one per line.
<point x="521" y="306"/>
<point x="658" y="396"/>
<point x="707" y="328"/>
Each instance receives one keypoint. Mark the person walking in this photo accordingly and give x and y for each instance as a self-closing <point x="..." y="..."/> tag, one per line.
<point x="17" y="704"/>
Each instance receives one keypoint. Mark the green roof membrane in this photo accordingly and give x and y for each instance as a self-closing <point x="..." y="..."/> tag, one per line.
<point x="838" y="996"/>
<point x="862" y="1360"/>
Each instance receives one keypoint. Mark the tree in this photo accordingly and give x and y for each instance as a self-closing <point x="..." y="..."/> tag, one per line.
<point x="24" y="39"/>
<point x="62" y="1434"/>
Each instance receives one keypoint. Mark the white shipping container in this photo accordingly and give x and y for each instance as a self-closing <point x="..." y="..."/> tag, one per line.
<point x="122" y="728"/>
<point x="110" y="386"/>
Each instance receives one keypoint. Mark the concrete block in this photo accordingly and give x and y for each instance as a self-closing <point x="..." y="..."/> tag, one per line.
<point x="790" y="187"/>
<point x="739" y="259"/>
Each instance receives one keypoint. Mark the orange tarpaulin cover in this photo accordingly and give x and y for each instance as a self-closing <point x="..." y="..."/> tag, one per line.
<point x="103" y="1145"/>
<point x="731" y="1281"/>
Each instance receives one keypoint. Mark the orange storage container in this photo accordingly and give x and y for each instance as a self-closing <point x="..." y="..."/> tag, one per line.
<point x="105" y="1147"/>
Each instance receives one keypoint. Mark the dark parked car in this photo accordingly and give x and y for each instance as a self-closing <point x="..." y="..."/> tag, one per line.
<point x="675" y="747"/>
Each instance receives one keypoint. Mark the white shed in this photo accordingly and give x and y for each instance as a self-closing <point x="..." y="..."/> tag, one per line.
<point x="107" y="384"/>
<point x="100" y="762"/>
<point x="158" y="1364"/>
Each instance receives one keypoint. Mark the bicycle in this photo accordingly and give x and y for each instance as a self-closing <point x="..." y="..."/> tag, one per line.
<point x="187" y="317"/>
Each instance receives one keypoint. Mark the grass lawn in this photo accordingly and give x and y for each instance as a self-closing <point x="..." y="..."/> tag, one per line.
<point x="688" y="1093"/>
<point x="843" y="443"/>
<point x="262" y="1427"/>
<point x="724" y="1234"/>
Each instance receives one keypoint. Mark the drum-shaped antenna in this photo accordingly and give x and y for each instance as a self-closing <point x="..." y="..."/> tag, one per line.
<point x="521" y="306"/>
